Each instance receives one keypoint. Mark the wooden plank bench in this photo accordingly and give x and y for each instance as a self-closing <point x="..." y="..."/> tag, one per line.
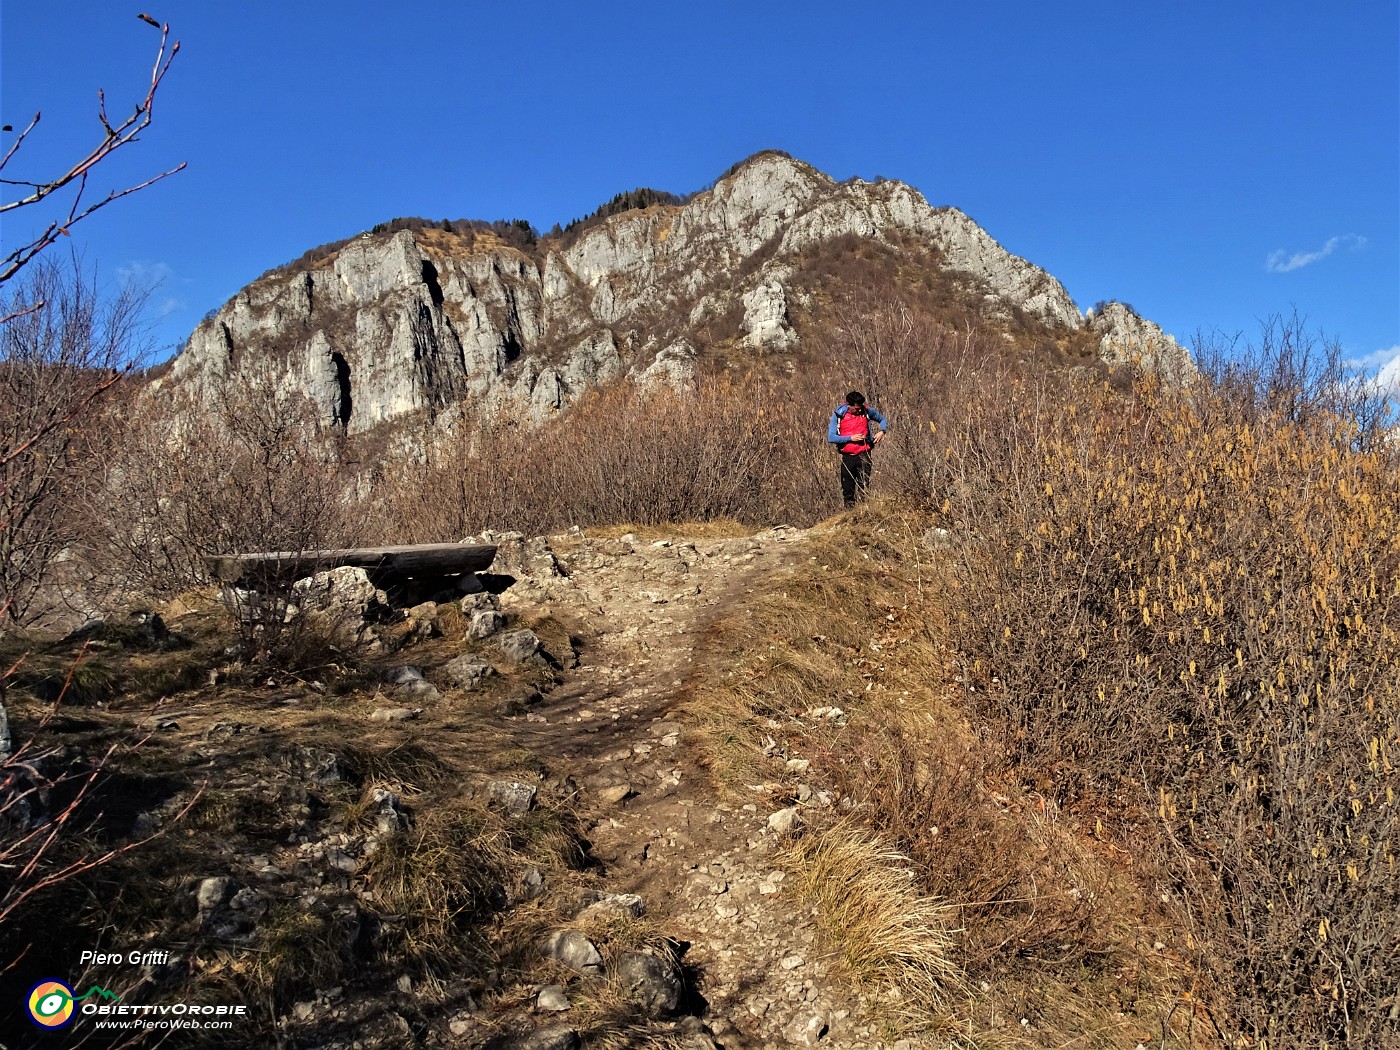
<point x="382" y="563"/>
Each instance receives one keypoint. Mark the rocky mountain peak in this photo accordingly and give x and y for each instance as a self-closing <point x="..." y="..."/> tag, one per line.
<point x="437" y="320"/>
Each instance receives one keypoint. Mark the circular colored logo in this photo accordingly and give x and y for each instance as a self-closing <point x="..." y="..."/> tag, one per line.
<point x="51" y="1004"/>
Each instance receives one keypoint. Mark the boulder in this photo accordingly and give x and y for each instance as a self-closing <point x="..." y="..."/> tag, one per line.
<point x="519" y="645"/>
<point x="766" y="324"/>
<point x="212" y="892"/>
<point x="786" y="821"/>
<point x="409" y="681"/>
<point x="652" y="982"/>
<point x="522" y="646"/>
<point x="530" y="887"/>
<point x="512" y="796"/>
<point x="467" y="671"/>
<point x="551" y="999"/>
<point x="573" y="949"/>
<point x="343" y="597"/>
<point x="521" y="557"/>
<point x="616" y="905"/>
<point x="484" y="623"/>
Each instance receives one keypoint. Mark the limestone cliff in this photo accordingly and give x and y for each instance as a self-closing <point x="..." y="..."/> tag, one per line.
<point x="423" y="320"/>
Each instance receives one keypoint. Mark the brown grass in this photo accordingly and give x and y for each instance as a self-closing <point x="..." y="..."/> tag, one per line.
<point x="1007" y="905"/>
<point x="868" y="904"/>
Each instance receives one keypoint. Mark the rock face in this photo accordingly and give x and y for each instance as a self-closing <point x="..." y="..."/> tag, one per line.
<point x="1126" y="338"/>
<point x="426" y="320"/>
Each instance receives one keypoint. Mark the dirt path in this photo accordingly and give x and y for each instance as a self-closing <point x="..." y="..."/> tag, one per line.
<point x="705" y="868"/>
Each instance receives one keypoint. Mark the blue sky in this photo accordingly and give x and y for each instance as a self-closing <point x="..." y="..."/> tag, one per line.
<point x="1210" y="163"/>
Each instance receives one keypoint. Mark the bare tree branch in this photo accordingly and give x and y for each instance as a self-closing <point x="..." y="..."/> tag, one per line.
<point x="114" y="138"/>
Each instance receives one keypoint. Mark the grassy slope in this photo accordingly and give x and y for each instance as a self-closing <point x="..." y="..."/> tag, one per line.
<point x="989" y="916"/>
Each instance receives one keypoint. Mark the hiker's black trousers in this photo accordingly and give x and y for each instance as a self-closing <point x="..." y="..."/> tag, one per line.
<point x="855" y="476"/>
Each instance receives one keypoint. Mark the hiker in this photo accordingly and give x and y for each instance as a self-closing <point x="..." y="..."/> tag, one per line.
<point x="850" y="431"/>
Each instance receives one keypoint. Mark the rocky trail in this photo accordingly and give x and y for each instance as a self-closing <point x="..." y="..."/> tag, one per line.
<point x="322" y="805"/>
<point x="705" y="869"/>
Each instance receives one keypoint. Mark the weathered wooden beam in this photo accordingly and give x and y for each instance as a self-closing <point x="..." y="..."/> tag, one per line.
<point x="428" y="559"/>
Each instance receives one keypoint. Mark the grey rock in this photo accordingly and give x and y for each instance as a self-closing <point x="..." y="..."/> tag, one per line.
<point x="512" y="796"/>
<point x="521" y="557"/>
<point x="551" y="1037"/>
<point x="249" y="900"/>
<point x="485" y="622"/>
<point x="462" y="1023"/>
<point x="654" y="983"/>
<point x="1125" y="337"/>
<point x="405" y="676"/>
<point x="423" y="612"/>
<point x="477" y="601"/>
<point x="531" y="885"/>
<point x="342" y="861"/>
<point x="467" y="671"/>
<point x="228" y="910"/>
<point x="551" y="999"/>
<point x="342" y="599"/>
<point x="766" y="324"/>
<point x="616" y="905"/>
<point x="213" y="892"/>
<point x="815" y="1030"/>
<point x="615" y="794"/>
<point x="519" y="646"/>
<point x="392" y="325"/>
<point x="389" y="813"/>
<point x="786" y="821"/>
<point x="573" y="949"/>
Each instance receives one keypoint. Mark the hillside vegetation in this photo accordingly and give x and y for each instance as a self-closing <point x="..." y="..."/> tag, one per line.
<point x="1118" y="658"/>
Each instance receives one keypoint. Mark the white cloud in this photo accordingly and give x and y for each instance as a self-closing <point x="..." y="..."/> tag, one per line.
<point x="148" y="278"/>
<point x="1379" y="359"/>
<point x="1387" y="380"/>
<point x="1380" y="372"/>
<point x="1283" y="262"/>
<point x="143" y="274"/>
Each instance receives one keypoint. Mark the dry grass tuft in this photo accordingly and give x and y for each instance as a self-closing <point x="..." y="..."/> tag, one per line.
<point x="870" y="910"/>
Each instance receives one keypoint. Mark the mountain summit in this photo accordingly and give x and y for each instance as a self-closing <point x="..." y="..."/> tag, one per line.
<point x="435" y="317"/>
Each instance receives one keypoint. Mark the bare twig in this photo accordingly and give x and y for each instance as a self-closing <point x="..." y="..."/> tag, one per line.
<point x="114" y="138"/>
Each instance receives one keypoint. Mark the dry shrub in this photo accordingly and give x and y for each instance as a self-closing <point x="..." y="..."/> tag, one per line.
<point x="1189" y="596"/>
<point x="260" y="472"/>
<point x="63" y="348"/>
<point x="725" y="448"/>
